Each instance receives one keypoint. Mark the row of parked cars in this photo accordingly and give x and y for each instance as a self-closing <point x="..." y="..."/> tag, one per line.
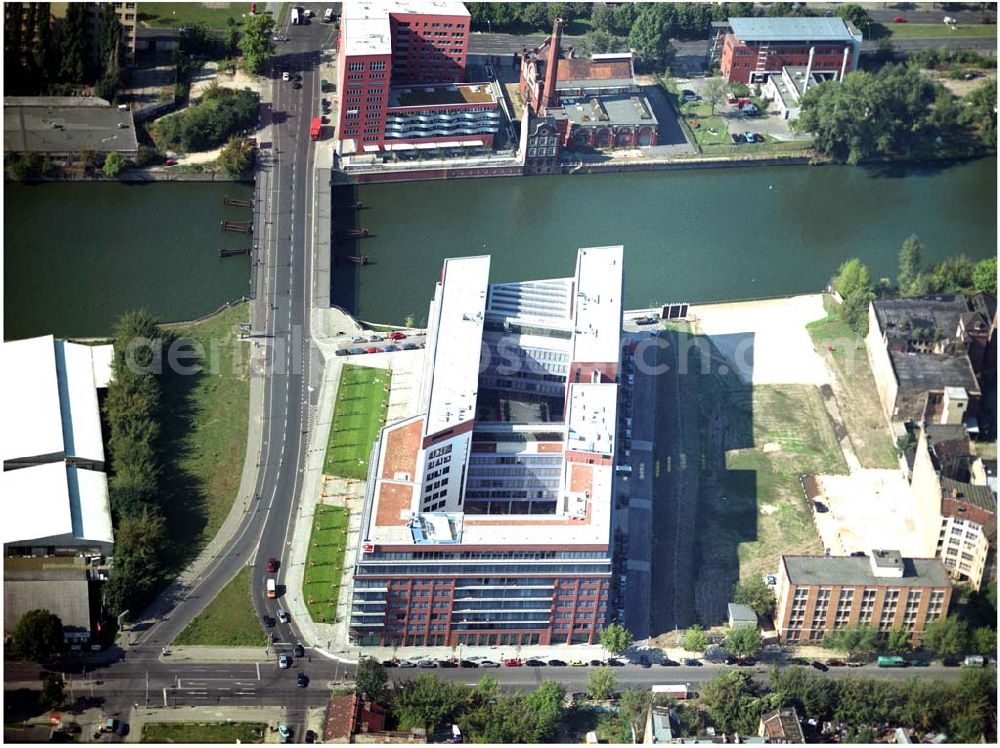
<point x="747" y="137"/>
<point x="360" y="346"/>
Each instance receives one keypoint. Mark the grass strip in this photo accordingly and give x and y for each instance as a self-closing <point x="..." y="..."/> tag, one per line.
<point x="204" y="732"/>
<point x="359" y="414"/>
<point x="229" y="621"/>
<point x="325" y="562"/>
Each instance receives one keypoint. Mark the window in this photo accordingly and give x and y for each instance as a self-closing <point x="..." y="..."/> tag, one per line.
<point x="377" y="65"/>
<point x="355" y="67"/>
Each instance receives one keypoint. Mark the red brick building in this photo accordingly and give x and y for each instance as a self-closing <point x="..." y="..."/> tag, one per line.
<point x="400" y="67"/>
<point x="758" y="47"/>
<point x="817" y="594"/>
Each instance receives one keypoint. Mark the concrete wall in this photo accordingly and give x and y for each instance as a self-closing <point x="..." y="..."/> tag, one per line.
<point x="878" y="357"/>
<point x="926" y="488"/>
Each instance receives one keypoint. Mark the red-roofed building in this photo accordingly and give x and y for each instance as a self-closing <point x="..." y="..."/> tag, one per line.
<point x="347" y="716"/>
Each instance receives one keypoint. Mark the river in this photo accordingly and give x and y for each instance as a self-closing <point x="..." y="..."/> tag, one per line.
<point x="77" y="255"/>
<point x="698" y="236"/>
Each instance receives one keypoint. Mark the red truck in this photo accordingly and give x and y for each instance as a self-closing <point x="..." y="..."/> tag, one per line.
<point x="316" y="128"/>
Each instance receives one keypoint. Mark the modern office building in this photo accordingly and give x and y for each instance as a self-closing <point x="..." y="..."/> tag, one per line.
<point x="488" y="514"/>
<point x="595" y="102"/>
<point x="817" y="594"/>
<point x="401" y="67"/>
<point x="57" y="531"/>
<point x="756" y="48"/>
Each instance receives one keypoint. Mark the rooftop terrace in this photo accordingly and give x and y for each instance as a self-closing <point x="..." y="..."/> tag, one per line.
<point x="469" y="93"/>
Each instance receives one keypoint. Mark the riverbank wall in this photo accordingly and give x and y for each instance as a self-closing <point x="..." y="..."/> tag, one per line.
<point x="136" y="175"/>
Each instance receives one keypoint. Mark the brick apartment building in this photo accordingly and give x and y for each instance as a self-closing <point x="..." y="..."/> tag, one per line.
<point x="401" y="67"/>
<point x="488" y="514"/>
<point x="755" y="48"/>
<point x="817" y="594"/>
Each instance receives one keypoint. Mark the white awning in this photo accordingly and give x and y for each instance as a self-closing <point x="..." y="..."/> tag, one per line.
<point x="371" y="149"/>
<point x="398" y="147"/>
<point x="472" y="143"/>
<point x="427" y="146"/>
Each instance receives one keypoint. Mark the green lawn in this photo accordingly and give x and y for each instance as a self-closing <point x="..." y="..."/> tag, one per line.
<point x="173" y="15"/>
<point x="359" y="414"/>
<point x="204" y="430"/>
<point x="229" y="621"/>
<point x="845" y="352"/>
<point x="792" y="436"/>
<point x="932" y="30"/>
<point x="325" y="562"/>
<point x="204" y="732"/>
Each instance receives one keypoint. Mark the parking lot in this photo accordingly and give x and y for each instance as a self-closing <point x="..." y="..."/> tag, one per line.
<point x="380" y="342"/>
<point x="771" y="126"/>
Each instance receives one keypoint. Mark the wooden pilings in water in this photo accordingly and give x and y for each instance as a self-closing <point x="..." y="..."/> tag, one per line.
<point x="224" y="252"/>
<point x="238" y="203"/>
<point x="243" y="228"/>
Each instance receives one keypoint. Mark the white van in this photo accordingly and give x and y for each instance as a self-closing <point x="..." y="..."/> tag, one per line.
<point x="973" y="661"/>
<point x="328" y="15"/>
<point x="272" y="589"/>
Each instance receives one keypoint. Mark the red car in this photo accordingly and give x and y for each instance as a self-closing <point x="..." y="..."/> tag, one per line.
<point x="373" y="349"/>
<point x="272" y="565"/>
<point x="397" y="335"/>
<point x="899" y="19"/>
<point x="171" y="162"/>
<point x="513" y="662"/>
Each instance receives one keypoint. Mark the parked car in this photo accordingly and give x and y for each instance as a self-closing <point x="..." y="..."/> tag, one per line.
<point x="302" y="680"/>
<point x="110" y="726"/>
<point x="340" y="352"/>
<point x="596" y="663"/>
<point x="407" y="663"/>
<point x="797" y="661"/>
<point x="738" y="137"/>
<point x="390" y="663"/>
<point x="667" y="662"/>
<point x="284" y="661"/>
<point x="692" y="662"/>
<point x="557" y="663"/>
<point x="283" y="616"/>
<point x="298" y="650"/>
<point x="468" y="663"/>
<point x="375" y="339"/>
<point x="286" y="76"/>
<point x="951" y="662"/>
<point x="397" y="335"/>
<point x="615" y="663"/>
<point x="489" y="663"/>
<point x="272" y="565"/>
<point x="296" y="85"/>
<point x="372" y="349"/>
<point x="122" y="729"/>
<point x="359" y="339"/>
<point x="835" y="663"/>
<point x="267" y="621"/>
<point x="972" y="74"/>
<point x="171" y="162"/>
<point x="285" y="733"/>
<point x="534" y="663"/>
<point x="749" y="136"/>
<point x="820" y="666"/>
<point x="645" y="320"/>
<point x="310" y="736"/>
<point x="447" y="663"/>
<point x="427" y="664"/>
<point x="390" y="348"/>
<point x="758" y="138"/>
<point x="355" y="351"/>
<point x="512" y="662"/>
<point x="899" y="19"/>
<point x="855" y="663"/>
<point x="746" y="661"/>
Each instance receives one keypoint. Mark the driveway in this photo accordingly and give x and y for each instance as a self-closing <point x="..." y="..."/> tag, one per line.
<point x="670" y="137"/>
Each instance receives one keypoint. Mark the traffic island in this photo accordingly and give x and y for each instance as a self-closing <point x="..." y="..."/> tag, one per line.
<point x="359" y="414"/>
<point x="325" y="562"/>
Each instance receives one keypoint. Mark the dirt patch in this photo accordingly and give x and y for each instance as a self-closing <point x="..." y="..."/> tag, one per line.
<point x="771" y="447"/>
<point x="960" y="87"/>
<point x="768" y="509"/>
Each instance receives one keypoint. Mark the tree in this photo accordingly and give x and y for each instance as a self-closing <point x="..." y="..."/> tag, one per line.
<point x="615" y="638"/>
<point x="984" y="276"/>
<point x="53" y="690"/>
<point x="714" y="92"/>
<point x="371" y="680"/>
<point x="74" y="47"/>
<point x="38" y="636"/>
<point x="138" y="568"/>
<point x="732" y="702"/>
<point x="109" y="45"/>
<point x="855" y="14"/>
<point x="951" y="275"/>
<point x="946" y="636"/>
<point x="898" y="642"/>
<point x="979" y="112"/>
<point x="852" y="639"/>
<point x="650" y="34"/>
<point x="601" y="683"/>
<point x="236" y="156"/>
<point x="488" y="689"/>
<point x="909" y="264"/>
<point x="428" y="701"/>
<point x="695" y="640"/>
<point x="114" y="164"/>
<point x="984" y="641"/>
<point x="634" y="704"/>
<point x="257" y="44"/>
<point x="755" y="594"/>
<point x="744" y="641"/>
<point x="853" y="282"/>
<point x="798" y="687"/>
<point x="231" y="41"/>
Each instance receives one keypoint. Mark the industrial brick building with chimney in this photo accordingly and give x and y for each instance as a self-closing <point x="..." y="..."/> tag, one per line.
<point x="594" y="102"/>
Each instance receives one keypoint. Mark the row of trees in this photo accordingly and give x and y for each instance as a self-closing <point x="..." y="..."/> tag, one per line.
<point x="131" y="410"/>
<point x="953" y="275"/>
<point x="38" y="61"/>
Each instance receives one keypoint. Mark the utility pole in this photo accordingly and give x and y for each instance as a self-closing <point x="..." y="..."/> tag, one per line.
<point x="147" y="689"/>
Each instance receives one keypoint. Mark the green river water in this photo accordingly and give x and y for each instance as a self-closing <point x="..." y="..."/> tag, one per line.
<point x="77" y="255"/>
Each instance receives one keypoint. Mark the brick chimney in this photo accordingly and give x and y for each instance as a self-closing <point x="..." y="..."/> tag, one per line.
<point x="549" y="96"/>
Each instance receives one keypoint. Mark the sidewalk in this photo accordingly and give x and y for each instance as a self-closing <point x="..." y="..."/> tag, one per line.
<point x="272" y="715"/>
